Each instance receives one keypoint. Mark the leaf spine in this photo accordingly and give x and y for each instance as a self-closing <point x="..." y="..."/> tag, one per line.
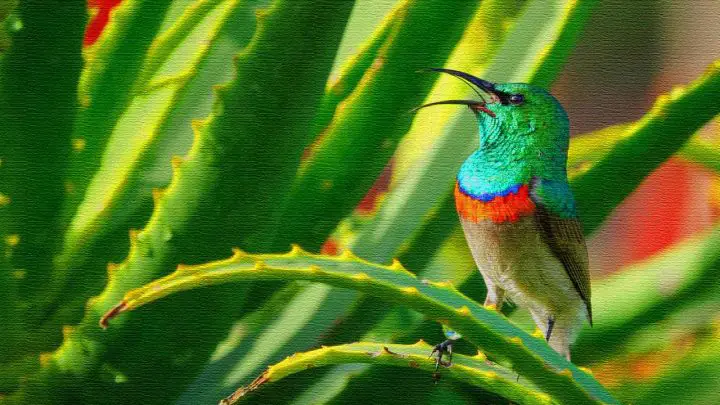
<point x="45" y="358"/>
<point x="410" y="290"/>
<point x="463" y="310"/>
<point x="176" y="162"/>
<point x="516" y="340"/>
<point x="112" y="268"/>
<point x="12" y="240"/>
<point x="238" y="253"/>
<point x="396" y="265"/>
<point x="296" y="250"/>
<point x="348" y="255"/>
<point x="66" y="331"/>
<point x="157" y="194"/>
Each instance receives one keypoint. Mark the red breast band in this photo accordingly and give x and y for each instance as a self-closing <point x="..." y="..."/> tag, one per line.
<point x="502" y="208"/>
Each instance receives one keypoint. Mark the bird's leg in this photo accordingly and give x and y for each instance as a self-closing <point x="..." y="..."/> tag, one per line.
<point x="495" y="295"/>
<point x="550" y="324"/>
<point x="442" y="348"/>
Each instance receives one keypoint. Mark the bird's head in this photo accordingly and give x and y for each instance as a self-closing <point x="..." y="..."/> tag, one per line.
<point x="516" y="120"/>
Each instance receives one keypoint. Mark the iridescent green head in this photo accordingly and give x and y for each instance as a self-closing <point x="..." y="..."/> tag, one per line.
<point x="521" y="127"/>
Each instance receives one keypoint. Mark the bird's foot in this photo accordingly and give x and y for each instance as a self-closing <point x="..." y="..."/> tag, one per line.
<point x="441" y="349"/>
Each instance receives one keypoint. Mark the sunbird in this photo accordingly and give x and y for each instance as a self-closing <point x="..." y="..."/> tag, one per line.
<point x="517" y="209"/>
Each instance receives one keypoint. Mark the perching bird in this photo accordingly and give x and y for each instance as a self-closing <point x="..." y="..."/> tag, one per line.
<point x="517" y="210"/>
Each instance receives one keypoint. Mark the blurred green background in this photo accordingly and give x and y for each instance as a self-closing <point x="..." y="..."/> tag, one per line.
<point x="201" y="125"/>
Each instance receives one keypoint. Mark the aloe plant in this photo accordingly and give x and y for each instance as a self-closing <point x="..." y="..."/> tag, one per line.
<point x="131" y="167"/>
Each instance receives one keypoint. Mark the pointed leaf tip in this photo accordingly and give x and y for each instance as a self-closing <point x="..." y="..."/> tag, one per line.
<point x="112" y="313"/>
<point x="296" y="250"/>
<point x="348" y="255"/>
<point x="238" y="253"/>
<point x="396" y="265"/>
<point x="157" y="194"/>
<point x="176" y="162"/>
<point x="112" y="268"/>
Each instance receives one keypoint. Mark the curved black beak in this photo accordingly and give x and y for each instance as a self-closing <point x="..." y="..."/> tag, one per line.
<point x="483" y="85"/>
<point x="479" y="84"/>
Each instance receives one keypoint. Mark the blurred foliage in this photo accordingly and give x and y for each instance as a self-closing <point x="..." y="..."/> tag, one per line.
<point x="279" y="147"/>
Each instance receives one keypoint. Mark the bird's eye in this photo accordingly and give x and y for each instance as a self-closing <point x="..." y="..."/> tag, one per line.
<point x="517" y="99"/>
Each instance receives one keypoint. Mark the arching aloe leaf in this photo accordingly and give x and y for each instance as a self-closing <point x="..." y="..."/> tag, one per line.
<point x="530" y="356"/>
<point x="190" y="218"/>
<point x="588" y="149"/>
<point x="664" y="130"/>
<point x="118" y="194"/>
<point x="472" y="370"/>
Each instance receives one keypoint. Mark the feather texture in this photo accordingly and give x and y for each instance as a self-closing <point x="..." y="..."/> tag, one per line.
<point x="566" y="241"/>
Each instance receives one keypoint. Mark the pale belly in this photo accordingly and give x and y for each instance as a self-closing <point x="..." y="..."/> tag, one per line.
<point x="513" y="257"/>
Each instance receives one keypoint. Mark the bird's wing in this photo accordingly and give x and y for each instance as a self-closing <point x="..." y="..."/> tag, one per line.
<point x="564" y="237"/>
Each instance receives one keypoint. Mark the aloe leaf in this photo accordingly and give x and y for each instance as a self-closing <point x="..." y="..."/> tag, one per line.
<point x="587" y="149"/>
<point x="402" y="52"/>
<point x="106" y="87"/>
<point x="39" y="74"/>
<point x="354" y="69"/>
<point x="367" y="126"/>
<point x="189" y="217"/>
<point x="702" y="153"/>
<point x="119" y="193"/>
<point x="647" y="302"/>
<point x="692" y="379"/>
<point x="665" y="129"/>
<point x="166" y="43"/>
<point x="487" y="329"/>
<point x="472" y="370"/>
<point x="600" y="159"/>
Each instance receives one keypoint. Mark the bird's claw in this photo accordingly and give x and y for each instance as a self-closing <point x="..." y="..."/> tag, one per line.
<point x="440" y="349"/>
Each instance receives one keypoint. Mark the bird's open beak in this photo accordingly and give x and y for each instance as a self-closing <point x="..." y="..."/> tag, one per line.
<point x="480" y="84"/>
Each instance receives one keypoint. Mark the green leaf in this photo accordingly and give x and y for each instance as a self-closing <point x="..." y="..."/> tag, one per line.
<point x="664" y="130"/>
<point x="119" y="197"/>
<point x="369" y="123"/>
<point x="472" y="370"/>
<point x="106" y="88"/>
<point x="188" y="224"/>
<point x="402" y="52"/>
<point x="702" y="153"/>
<point x="355" y="69"/>
<point x="587" y="149"/>
<point x="38" y="80"/>
<point x="530" y="356"/>
<point x="167" y="43"/>
<point x="644" y="301"/>
<point x="692" y="379"/>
